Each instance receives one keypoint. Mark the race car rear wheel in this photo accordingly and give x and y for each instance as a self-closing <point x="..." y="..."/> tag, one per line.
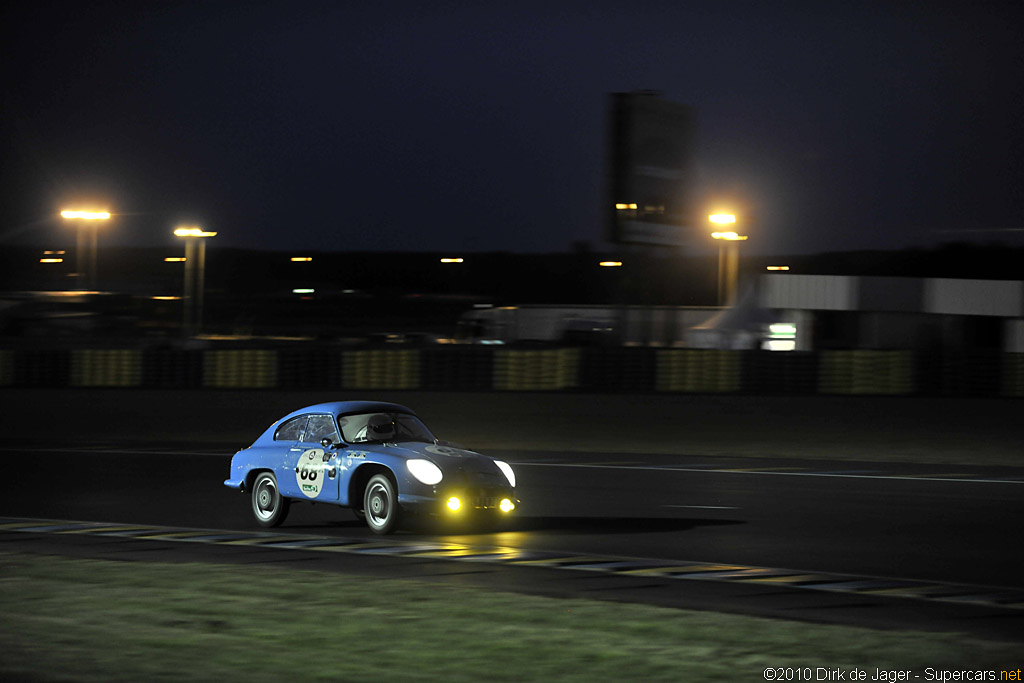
<point x="380" y="504"/>
<point x="269" y="507"/>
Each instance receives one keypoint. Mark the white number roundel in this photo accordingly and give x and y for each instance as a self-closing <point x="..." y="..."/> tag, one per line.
<point x="309" y="474"/>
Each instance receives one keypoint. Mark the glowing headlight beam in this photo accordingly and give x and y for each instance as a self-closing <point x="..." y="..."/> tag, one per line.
<point x="425" y="471"/>
<point x="506" y="469"/>
<point x="454" y="504"/>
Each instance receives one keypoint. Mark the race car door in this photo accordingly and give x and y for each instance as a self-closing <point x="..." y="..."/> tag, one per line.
<point x="286" y="442"/>
<point x="316" y="467"/>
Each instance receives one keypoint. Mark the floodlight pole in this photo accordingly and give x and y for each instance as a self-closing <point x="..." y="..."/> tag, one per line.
<point x="188" y="296"/>
<point x="85" y="258"/>
<point x="728" y="258"/>
<point x="195" y="278"/>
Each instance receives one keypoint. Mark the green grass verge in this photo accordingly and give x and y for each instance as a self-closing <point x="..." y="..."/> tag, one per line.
<point x="99" y="620"/>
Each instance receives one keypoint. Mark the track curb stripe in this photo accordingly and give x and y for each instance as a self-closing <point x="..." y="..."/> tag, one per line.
<point x="881" y="587"/>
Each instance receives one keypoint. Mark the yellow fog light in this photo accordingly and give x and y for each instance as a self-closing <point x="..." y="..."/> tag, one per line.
<point x="454" y="504"/>
<point x="507" y="505"/>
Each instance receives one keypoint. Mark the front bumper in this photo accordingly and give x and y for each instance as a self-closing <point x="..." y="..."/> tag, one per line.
<point x="470" y="499"/>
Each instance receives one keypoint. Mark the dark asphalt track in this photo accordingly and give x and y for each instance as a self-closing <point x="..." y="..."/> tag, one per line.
<point x="951" y="524"/>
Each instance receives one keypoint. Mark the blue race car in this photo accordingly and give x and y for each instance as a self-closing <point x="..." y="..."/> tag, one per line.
<point x="377" y="458"/>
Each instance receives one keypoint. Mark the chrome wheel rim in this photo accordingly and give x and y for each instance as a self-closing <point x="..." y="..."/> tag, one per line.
<point x="378" y="505"/>
<point x="264" y="498"/>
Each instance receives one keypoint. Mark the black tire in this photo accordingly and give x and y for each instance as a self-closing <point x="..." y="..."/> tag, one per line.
<point x="269" y="507"/>
<point x="380" y="505"/>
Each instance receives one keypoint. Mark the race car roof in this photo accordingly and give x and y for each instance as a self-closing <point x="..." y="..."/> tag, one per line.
<point x="335" y="408"/>
<point x="347" y="407"/>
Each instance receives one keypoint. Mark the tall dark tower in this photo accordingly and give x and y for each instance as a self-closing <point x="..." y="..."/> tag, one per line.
<point x="649" y="169"/>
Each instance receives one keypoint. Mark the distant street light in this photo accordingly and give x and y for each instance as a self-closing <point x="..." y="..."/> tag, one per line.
<point x="728" y="258"/>
<point x="452" y="260"/>
<point x="610" y="264"/>
<point x="85" y="264"/>
<point x="195" y="273"/>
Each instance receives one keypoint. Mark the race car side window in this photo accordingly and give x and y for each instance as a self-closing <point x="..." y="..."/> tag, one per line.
<point x="291" y="430"/>
<point x="353" y="427"/>
<point x="321" y="427"/>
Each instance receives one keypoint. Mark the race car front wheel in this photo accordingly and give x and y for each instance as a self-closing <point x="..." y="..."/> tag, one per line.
<point x="380" y="505"/>
<point x="269" y="507"/>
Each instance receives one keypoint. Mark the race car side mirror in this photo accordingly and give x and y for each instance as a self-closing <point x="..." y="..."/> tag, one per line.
<point x="330" y="445"/>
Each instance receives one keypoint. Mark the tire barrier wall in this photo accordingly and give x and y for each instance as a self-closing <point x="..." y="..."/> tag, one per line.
<point x="106" y="368"/>
<point x="470" y="369"/>
<point x="240" y="369"/>
<point x="6" y="368"/>
<point x="866" y="372"/>
<point x="1013" y="374"/>
<point x="380" y="369"/>
<point x="536" y="370"/>
<point x="698" y="371"/>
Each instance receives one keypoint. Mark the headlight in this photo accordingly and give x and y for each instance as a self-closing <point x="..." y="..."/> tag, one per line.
<point x="425" y="471"/>
<point x="507" y="471"/>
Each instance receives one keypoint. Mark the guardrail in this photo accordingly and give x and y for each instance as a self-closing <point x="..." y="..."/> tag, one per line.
<point x="469" y="368"/>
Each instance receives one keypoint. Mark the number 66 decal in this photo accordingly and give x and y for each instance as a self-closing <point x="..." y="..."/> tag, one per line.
<point x="307" y="473"/>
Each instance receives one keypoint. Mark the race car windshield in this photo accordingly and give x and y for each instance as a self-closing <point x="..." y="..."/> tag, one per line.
<point x="383" y="427"/>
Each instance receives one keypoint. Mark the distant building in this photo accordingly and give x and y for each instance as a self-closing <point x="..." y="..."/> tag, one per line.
<point x="650" y="143"/>
<point x="827" y="312"/>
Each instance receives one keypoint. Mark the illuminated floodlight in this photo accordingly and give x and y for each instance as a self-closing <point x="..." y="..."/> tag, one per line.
<point x="298" y="259"/>
<point x="194" y="231"/>
<point x="610" y="264"/>
<point x="722" y="218"/>
<point x="175" y="259"/>
<point x="507" y="505"/>
<point x="87" y="215"/>
<point x="731" y="236"/>
<point x="304" y="291"/>
<point x="776" y="267"/>
<point x="165" y="298"/>
<point x="51" y="260"/>
<point x="54" y="252"/>
<point x="782" y="329"/>
<point x="454" y="504"/>
<point x="452" y="260"/>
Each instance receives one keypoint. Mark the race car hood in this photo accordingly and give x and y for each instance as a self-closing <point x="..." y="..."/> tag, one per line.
<point x="443" y="456"/>
<point x="449" y="458"/>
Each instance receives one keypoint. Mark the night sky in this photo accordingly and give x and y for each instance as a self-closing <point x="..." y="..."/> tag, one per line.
<point x="434" y="126"/>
